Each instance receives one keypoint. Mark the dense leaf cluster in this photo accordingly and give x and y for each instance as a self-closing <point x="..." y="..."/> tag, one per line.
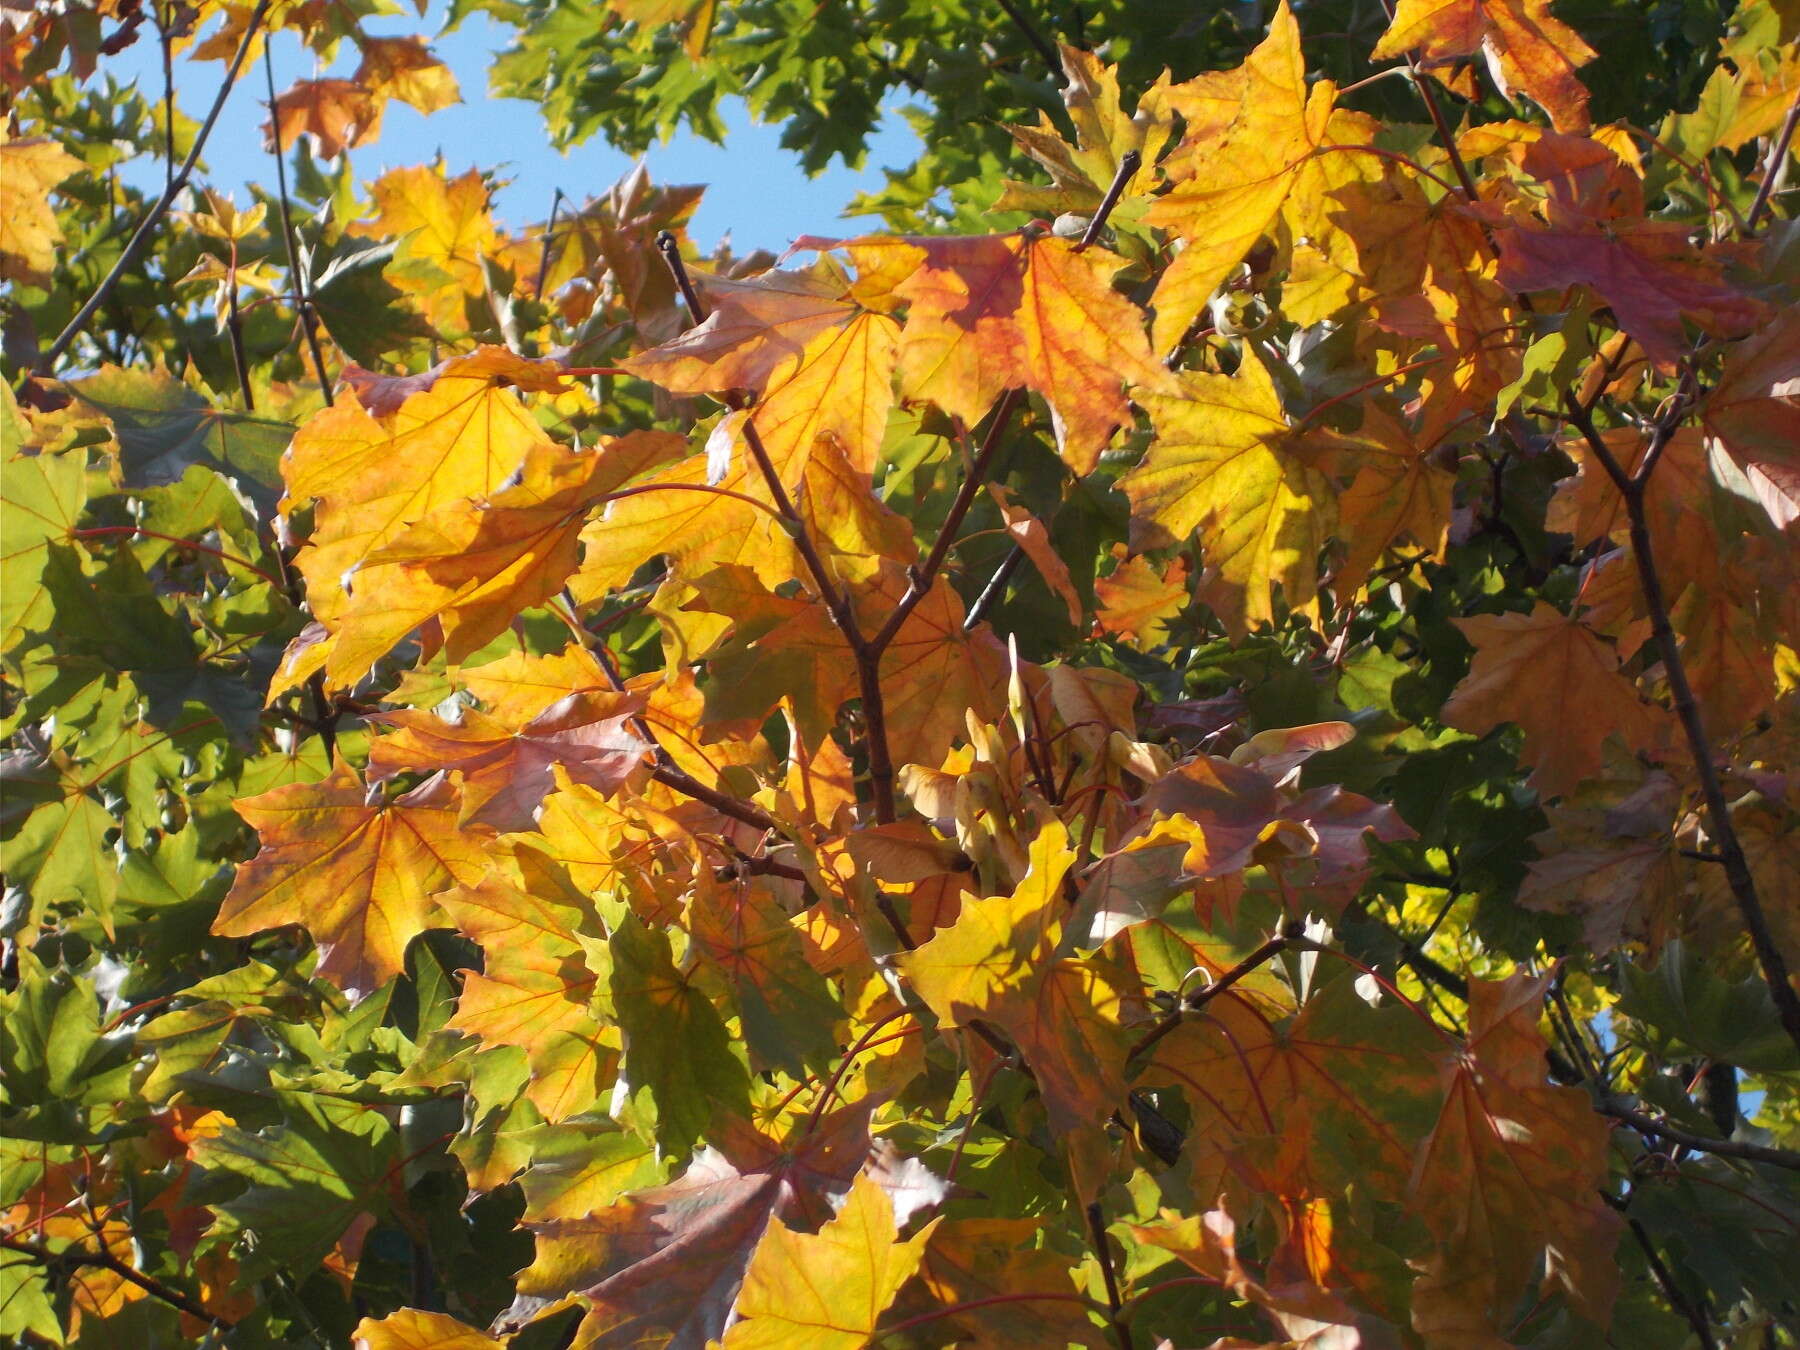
<point x="1194" y="748"/>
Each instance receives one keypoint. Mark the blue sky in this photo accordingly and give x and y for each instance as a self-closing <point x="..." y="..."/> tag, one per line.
<point x="757" y="191"/>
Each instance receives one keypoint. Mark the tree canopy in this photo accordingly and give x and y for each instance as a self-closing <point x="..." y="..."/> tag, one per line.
<point x="1190" y="744"/>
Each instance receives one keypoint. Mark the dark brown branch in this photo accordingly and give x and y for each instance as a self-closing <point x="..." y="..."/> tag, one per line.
<point x="75" y="1257"/>
<point x="549" y="237"/>
<point x="1052" y="58"/>
<point x="1731" y="851"/>
<point x="1121" y="1327"/>
<point x="153" y="217"/>
<point x="1678" y="1299"/>
<point x="991" y="592"/>
<point x="837" y="603"/>
<point x="1700" y="1143"/>
<point x="304" y="313"/>
<point x="1128" y="167"/>
<point x="1201" y="997"/>
<point x="1445" y="137"/>
<point x="1772" y="167"/>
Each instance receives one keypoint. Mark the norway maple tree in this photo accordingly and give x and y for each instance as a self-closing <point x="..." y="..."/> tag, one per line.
<point x="1193" y="746"/>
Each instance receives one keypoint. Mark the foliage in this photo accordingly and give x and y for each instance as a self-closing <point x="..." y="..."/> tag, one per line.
<point x="1192" y="748"/>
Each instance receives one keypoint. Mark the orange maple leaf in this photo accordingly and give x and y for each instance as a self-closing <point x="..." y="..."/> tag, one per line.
<point x="1560" y="682"/>
<point x="358" y="873"/>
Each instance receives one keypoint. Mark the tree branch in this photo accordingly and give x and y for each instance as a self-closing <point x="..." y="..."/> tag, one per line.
<point x="1731" y="851"/>
<point x="1773" y="166"/>
<point x="82" y="1256"/>
<point x="1201" y="997"/>
<point x="1700" y="1143"/>
<point x="303" y="305"/>
<point x="1121" y="1327"/>
<point x="153" y="217"/>
<point x="1045" y="49"/>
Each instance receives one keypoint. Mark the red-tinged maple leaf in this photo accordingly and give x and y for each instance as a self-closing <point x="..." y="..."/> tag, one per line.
<point x="987" y="312"/>
<point x="1753" y="414"/>
<point x="1527" y="48"/>
<point x="1136" y="602"/>
<point x="668" y="1262"/>
<point x="1232" y="816"/>
<point x="1308" y="1317"/>
<point x="1559" y="682"/>
<point x="972" y="1263"/>
<point x="1223" y="461"/>
<point x="1647" y="273"/>
<point x="1616" y="869"/>
<point x="506" y="769"/>
<point x="357" y="873"/>
<point x="1033" y="539"/>
<point x="1508" y="1181"/>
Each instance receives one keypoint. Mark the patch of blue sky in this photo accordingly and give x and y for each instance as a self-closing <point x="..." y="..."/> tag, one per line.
<point x="757" y="192"/>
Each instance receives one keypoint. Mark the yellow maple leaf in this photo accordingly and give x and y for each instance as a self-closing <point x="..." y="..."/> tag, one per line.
<point x="1222" y="461"/>
<point x="826" y="1291"/>
<point x="29" y="233"/>
<point x="404" y="68"/>
<point x="413" y="1329"/>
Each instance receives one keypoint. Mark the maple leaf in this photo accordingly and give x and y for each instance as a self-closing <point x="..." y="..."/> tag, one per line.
<point x="1753" y="414"/>
<point x="669" y="1261"/>
<point x="1510" y="1176"/>
<point x="1618" y="869"/>
<point x="1399" y="493"/>
<point x="459" y="437"/>
<point x="1135" y="602"/>
<point x="1030" y="535"/>
<point x="827" y="1290"/>
<point x="474" y="565"/>
<point x="1232" y="179"/>
<point x="442" y="224"/>
<point x="414" y="1329"/>
<point x="1104" y="134"/>
<point x="534" y="989"/>
<point x="997" y="962"/>
<point x="403" y="68"/>
<point x="1650" y="276"/>
<point x="1559" y="682"/>
<point x="29" y="233"/>
<point x="970" y="1260"/>
<point x="987" y="312"/>
<point x="1527" y="48"/>
<point x="1222" y="460"/>
<point x="357" y="873"/>
<point x="338" y="115"/>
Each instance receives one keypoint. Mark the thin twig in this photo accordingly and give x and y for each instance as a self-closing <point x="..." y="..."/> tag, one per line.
<point x="1700" y="1143"/>
<point x="991" y="592"/>
<point x="82" y="1256"/>
<point x="1678" y="1300"/>
<point x="1201" y="997"/>
<point x="153" y="217"/>
<point x="1772" y="167"/>
<point x="1035" y="38"/>
<point x="1121" y="1328"/>
<point x="304" y="314"/>
<point x="1128" y="167"/>
<point x="1632" y="488"/>
<point x="549" y="236"/>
